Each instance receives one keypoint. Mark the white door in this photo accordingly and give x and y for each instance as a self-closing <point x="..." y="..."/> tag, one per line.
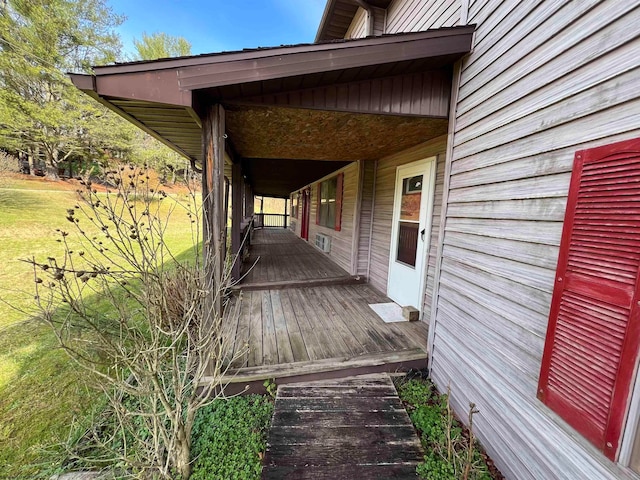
<point x="410" y="232"/>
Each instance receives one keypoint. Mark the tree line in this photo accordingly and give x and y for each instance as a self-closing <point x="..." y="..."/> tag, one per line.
<point x="52" y="127"/>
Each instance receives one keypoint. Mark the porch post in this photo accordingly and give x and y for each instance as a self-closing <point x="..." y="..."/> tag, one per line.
<point x="285" y="212"/>
<point x="236" y="218"/>
<point x="213" y="204"/>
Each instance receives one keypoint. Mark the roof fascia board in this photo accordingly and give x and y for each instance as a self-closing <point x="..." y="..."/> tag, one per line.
<point x="260" y="69"/>
<point x="173" y="63"/>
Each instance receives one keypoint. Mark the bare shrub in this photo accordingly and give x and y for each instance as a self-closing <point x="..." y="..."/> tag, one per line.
<point x="8" y="165"/>
<point x="140" y="321"/>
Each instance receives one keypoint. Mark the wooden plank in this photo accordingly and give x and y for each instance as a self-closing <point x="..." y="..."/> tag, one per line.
<point x="339" y="419"/>
<point x="287" y="391"/>
<point x="241" y="351"/>
<point x="285" y="353"/>
<point x="255" y="330"/>
<point x="350" y="437"/>
<point x="296" y="339"/>
<point x="298" y="283"/>
<point x="315" y="349"/>
<point x="325" y="455"/>
<point x="269" y="342"/>
<point x="361" y="472"/>
<point x="325" y="365"/>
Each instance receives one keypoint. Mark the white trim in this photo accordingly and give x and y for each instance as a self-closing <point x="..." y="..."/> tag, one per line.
<point x="426" y="166"/>
<point x="464" y="12"/>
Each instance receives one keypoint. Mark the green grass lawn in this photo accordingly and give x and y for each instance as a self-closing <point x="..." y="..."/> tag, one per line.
<point x="41" y="390"/>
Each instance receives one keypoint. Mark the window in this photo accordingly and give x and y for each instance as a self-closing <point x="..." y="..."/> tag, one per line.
<point x="330" y="202"/>
<point x="593" y="335"/>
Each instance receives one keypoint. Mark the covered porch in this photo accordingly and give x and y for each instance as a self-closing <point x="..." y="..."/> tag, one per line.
<point x="308" y="319"/>
<point x="268" y="122"/>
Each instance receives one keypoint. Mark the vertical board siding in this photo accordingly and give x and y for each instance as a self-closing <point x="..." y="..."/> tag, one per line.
<point x="418" y="15"/>
<point x="341" y="242"/>
<point x="544" y="79"/>
<point x="383" y="213"/>
<point x="366" y="213"/>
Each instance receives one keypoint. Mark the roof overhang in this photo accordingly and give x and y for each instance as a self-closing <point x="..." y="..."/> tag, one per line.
<point x="338" y="15"/>
<point x="166" y="98"/>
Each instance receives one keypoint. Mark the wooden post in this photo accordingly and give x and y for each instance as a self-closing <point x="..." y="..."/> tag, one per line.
<point x="213" y="203"/>
<point x="285" y="212"/>
<point x="236" y="218"/>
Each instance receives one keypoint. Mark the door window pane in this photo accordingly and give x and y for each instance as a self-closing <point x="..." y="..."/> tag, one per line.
<point x="411" y="196"/>
<point x="407" y="243"/>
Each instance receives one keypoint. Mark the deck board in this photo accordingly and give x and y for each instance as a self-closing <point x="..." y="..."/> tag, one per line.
<point x="292" y="329"/>
<point x="282" y="256"/>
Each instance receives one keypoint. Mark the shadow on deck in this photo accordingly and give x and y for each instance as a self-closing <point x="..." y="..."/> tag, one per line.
<point x="303" y="318"/>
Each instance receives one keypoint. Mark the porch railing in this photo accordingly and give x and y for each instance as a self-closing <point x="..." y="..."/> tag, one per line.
<point x="271" y="220"/>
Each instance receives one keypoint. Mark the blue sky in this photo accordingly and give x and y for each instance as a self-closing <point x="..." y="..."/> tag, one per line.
<point x="219" y="25"/>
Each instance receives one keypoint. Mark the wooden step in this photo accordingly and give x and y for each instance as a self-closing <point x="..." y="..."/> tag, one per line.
<point x="341" y="429"/>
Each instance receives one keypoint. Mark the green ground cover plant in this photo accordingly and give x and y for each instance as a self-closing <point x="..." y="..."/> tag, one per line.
<point x="229" y="438"/>
<point x="451" y="450"/>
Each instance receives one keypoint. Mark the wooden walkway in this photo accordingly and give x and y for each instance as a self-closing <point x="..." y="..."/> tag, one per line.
<point x="351" y="428"/>
<point x="282" y="328"/>
<point x="277" y="254"/>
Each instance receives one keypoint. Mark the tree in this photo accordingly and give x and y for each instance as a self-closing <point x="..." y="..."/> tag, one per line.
<point x="41" y="113"/>
<point x="161" y="45"/>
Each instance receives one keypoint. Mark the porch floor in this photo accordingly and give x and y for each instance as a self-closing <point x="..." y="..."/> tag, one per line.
<point x="284" y="326"/>
<point x="278" y="255"/>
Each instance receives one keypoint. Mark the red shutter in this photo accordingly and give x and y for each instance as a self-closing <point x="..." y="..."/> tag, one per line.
<point x="594" y="324"/>
<point x="319" y="198"/>
<point x="339" y="188"/>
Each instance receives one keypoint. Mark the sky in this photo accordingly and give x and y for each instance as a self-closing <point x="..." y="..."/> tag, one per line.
<point x="220" y="25"/>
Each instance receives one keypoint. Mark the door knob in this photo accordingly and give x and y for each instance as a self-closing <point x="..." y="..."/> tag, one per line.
<point x="422" y="235"/>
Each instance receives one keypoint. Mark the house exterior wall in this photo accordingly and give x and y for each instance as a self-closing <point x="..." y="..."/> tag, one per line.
<point x="383" y="214"/>
<point x="418" y="15"/>
<point x="341" y="242"/>
<point x="408" y="16"/>
<point x="544" y="80"/>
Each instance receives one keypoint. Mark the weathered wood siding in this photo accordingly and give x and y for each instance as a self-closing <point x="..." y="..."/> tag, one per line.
<point x="383" y="214"/>
<point x="418" y="15"/>
<point x="544" y="79"/>
<point x="341" y="242"/>
<point x="366" y="214"/>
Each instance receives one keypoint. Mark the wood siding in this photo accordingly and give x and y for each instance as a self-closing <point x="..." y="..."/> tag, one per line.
<point x="418" y="15"/>
<point x="366" y="213"/>
<point x="544" y="79"/>
<point x="383" y="213"/>
<point x="341" y="242"/>
<point x="358" y="27"/>
<point x="424" y="94"/>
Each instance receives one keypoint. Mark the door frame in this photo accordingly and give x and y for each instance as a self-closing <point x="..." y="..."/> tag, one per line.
<point x="428" y="165"/>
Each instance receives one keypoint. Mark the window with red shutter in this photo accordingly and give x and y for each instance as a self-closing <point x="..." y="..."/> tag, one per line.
<point x="329" y="211"/>
<point x="593" y="335"/>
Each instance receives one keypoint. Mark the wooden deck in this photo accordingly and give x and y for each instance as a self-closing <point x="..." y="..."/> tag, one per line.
<point x="278" y="255"/>
<point x="294" y="332"/>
